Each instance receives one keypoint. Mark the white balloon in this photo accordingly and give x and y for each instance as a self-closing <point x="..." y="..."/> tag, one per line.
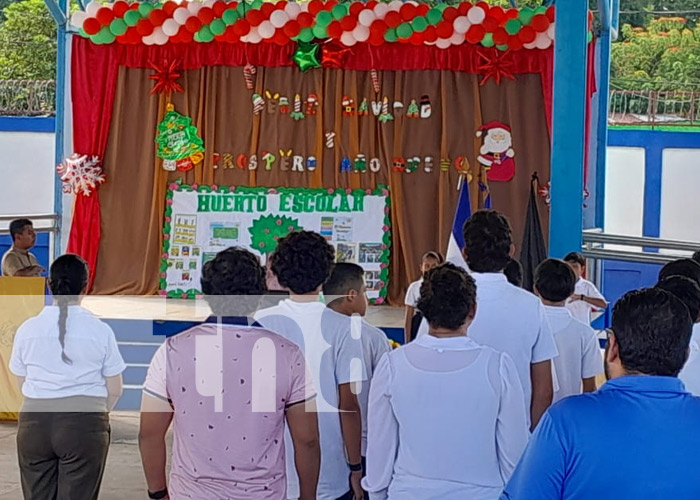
<point x="181" y="15"/>
<point x="293" y="9"/>
<point x="78" y="18"/>
<point x="209" y="3"/>
<point x="366" y="17"/>
<point x="550" y="31"/>
<point x="253" y="36"/>
<point x="531" y="45"/>
<point x="304" y="6"/>
<point x="279" y="18"/>
<point x="347" y="39"/>
<point x="194" y="7"/>
<point x="442" y="43"/>
<point x="148" y="40"/>
<point x="380" y="10"/>
<point x="266" y="30"/>
<point x="476" y="15"/>
<point x="170" y="27"/>
<point x="92" y="8"/>
<point x="395" y="5"/>
<point x="457" y="39"/>
<point x="361" y="33"/>
<point x="543" y="41"/>
<point x="159" y="37"/>
<point x="461" y="24"/>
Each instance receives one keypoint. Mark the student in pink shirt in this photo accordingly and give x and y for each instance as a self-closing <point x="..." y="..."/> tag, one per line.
<point x="227" y="386"/>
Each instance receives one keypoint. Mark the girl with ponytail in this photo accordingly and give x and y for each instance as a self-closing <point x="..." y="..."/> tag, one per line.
<point x="69" y="369"/>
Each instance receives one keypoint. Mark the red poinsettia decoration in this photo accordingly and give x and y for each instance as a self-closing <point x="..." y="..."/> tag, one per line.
<point x="333" y="54"/>
<point x="166" y="78"/>
<point x="496" y="64"/>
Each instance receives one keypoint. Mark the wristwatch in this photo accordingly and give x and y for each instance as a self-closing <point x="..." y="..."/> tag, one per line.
<point x="355" y="467"/>
<point x="158" y="494"/>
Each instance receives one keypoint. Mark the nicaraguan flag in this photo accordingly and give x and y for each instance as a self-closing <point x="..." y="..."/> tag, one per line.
<point x="456" y="243"/>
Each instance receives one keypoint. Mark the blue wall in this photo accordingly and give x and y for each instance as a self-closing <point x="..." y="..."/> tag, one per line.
<point x="41" y="250"/>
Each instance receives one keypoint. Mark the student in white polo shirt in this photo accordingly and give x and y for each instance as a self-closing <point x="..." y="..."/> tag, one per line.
<point x="586" y="298"/>
<point x="508" y="318"/>
<point x="69" y="368"/>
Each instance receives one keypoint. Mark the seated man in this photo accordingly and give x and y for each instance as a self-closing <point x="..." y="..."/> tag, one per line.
<point x="636" y="438"/>
<point x="19" y="261"/>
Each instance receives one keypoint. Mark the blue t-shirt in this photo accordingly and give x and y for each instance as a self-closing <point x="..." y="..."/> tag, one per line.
<point x="637" y="438"/>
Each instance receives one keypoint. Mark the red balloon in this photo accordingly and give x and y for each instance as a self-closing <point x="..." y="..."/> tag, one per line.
<point x="192" y="24"/>
<point x="144" y="27"/>
<point x="416" y="39"/>
<point x="267" y="8"/>
<point x="376" y="39"/>
<point x="230" y="35"/>
<point x="315" y="6"/>
<point x="550" y="13"/>
<point x="241" y="27"/>
<point x="168" y="7"/>
<point x="133" y="36"/>
<point x="463" y="8"/>
<point x="512" y="14"/>
<point x="527" y="34"/>
<point x="475" y="33"/>
<point x="372" y="4"/>
<point x="292" y="28"/>
<point x="186" y="36"/>
<point x="254" y="17"/>
<point x="205" y="14"/>
<point x="280" y="5"/>
<point x="335" y="30"/>
<point x="134" y="6"/>
<point x="91" y="26"/>
<point x="157" y="17"/>
<point x="348" y="23"/>
<point x="219" y="8"/>
<point x="484" y="5"/>
<point x="393" y="19"/>
<point x="515" y="43"/>
<point x="378" y="27"/>
<point x="280" y="38"/>
<point x="497" y="13"/>
<point x="445" y="29"/>
<point x="491" y="24"/>
<point x="120" y="7"/>
<point x="407" y="11"/>
<point x="430" y="34"/>
<point x="450" y="13"/>
<point x="500" y="36"/>
<point x="356" y="8"/>
<point x="305" y="19"/>
<point x="540" y="23"/>
<point x="105" y="16"/>
<point x="329" y="4"/>
<point x="422" y="9"/>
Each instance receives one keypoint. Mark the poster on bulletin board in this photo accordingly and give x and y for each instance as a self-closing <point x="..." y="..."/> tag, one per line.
<point x="201" y="221"/>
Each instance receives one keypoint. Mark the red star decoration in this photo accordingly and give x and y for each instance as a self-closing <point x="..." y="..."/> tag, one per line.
<point x="496" y="64"/>
<point x="166" y="78"/>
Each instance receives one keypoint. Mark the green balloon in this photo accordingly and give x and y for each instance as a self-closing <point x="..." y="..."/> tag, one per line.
<point x="404" y="30"/>
<point x="442" y="6"/>
<point x="117" y="27"/>
<point x="488" y="40"/>
<point x="589" y="37"/>
<point x="104" y="36"/>
<point x="205" y="34"/>
<point x="217" y="27"/>
<point x="306" y="35"/>
<point x="145" y="9"/>
<point x="242" y="9"/>
<point x="82" y="33"/>
<point x="542" y="9"/>
<point x="390" y="35"/>
<point x="434" y="16"/>
<point x="230" y="16"/>
<point x="339" y="11"/>
<point x="323" y="18"/>
<point x="526" y="15"/>
<point x="419" y="24"/>
<point x="513" y="26"/>
<point x="257" y="4"/>
<point x="319" y="32"/>
<point x="131" y="17"/>
<point x="197" y="38"/>
<point x="502" y="48"/>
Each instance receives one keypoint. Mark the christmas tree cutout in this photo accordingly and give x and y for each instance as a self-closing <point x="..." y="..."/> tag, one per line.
<point x="268" y="229"/>
<point x="177" y="138"/>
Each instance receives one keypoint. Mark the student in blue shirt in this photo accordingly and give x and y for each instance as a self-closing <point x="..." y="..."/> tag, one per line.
<point x="637" y="437"/>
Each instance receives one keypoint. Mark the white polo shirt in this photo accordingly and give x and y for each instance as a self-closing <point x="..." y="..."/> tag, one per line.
<point x="581" y="310"/>
<point x="511" y="320"/>
<point x="579" y="352"/>
<point x="413" y="293"/>
<point x="89" y="343"/>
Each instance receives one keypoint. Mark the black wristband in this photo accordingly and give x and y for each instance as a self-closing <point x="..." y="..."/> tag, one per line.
<point x="355" y="467"/>
<point x="158" y="494"/>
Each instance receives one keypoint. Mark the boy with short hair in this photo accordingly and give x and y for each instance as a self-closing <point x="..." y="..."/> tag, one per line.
<point x="346" y="292"/>
<point x="414" y="317"/>
<point x="579" y="359"/>
<point x="586" y="297"/>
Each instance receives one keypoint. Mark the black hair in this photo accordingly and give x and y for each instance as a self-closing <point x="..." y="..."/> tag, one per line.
<point x="696" y="257"/>
<point x="514" y="272"/>
<point x="345" y="276"/>
<point x="447" y="296"/>
<point x="686" y="290"/>
<point x="233" y="272"/>
<point x="575" y="258"/>
<point x="433" y="255"/>
<point x="681" y="267"/>
<point x="555" y="280"/>
<point x="653" y="330"/>
<point x="68" y="278"/>
<point x="303" y="261"/>
<point x="487" y="241"/>
<point x="17" y="226"/>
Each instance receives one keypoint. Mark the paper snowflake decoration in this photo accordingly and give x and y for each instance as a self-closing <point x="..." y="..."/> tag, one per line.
<point x="81" y="174"/>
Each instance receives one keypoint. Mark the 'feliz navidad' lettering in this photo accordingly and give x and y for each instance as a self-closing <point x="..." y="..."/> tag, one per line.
<point x="289" y="202"/>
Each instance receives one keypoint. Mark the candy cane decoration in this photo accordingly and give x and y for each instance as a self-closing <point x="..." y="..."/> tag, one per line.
<point x="330" y="140"/>
<point x="248" y="74"/>
<point x="297" y="114"/>
<point x="375" y="81"/>
<point x="258" y="104"/>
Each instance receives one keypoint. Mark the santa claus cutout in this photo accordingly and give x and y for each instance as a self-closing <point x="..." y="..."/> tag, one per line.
<point x="496" y="153"/>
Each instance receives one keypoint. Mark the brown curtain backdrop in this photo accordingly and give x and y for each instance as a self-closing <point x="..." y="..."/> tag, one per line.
<point x="219" y="104"/>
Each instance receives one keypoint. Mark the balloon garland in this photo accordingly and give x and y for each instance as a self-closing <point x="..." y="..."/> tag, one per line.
<point x="349" y="23"/>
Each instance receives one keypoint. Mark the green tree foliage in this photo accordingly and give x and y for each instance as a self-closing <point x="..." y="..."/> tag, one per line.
<point x="27" y="42"/>
<point x="635" y="12"/>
